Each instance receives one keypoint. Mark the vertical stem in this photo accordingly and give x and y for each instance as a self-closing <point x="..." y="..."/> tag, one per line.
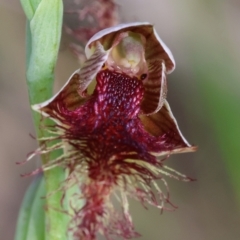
<point x="43" y="39"/>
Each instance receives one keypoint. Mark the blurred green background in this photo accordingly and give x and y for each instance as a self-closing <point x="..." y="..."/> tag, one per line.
<point x="204" y="93"/>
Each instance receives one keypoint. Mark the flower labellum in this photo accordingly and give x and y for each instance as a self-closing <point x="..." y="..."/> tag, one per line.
<point x="115" y="140"/>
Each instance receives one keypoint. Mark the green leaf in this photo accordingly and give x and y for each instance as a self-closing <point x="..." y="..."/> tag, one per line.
<point x="36" y="226"/>
<point x="30" y="225"/>
<point x="29" y="7"/>
<point x="46" y="33"/>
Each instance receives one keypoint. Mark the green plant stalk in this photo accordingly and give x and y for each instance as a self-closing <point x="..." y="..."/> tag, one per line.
<point x="44" y="26"/>
<point x="36" y="224"/>
<point x="26" y="212"/>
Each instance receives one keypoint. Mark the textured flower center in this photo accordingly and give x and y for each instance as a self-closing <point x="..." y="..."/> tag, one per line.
<point x="118" y="95"/>
<point x="111" y="121"/>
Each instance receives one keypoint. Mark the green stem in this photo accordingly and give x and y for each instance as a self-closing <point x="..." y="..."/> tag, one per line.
<point x="43" y="39"/>
<point x="26" y="214"/>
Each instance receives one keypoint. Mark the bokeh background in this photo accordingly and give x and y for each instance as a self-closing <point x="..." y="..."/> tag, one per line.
<point x="204" y="93"/>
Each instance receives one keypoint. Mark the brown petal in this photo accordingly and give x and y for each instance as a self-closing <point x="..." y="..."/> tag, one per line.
<point x="155" y="47"/>
<point x="159" y="59"/>
<point x="155" y="88"/>
<point x="163" y="123"/>
<point x="91" y="67"/>
<point x="67" y="97"/>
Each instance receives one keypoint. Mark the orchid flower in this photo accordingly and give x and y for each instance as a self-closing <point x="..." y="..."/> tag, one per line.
<point x="115" y="139"/>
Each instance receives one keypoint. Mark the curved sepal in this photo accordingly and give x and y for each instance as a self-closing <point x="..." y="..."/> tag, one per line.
<point x="155" y="48"/>
<point x="158" y="58"/>
<point x="163" y="123"/>
<point x="155" y="90"/>
<point x="91" y="67"/>
<point x="67" y="96"/>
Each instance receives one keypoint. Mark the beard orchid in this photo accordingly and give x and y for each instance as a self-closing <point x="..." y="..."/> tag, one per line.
<point x="115" y="139"/>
